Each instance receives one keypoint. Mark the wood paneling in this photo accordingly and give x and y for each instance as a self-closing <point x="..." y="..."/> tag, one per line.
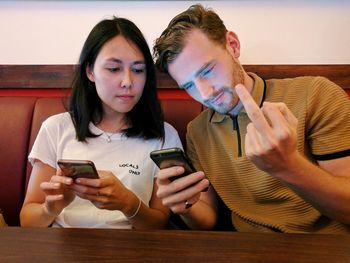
<point x="112" y="245"/>
<point x="60" y="76"/>
<point x="36" y="76"/>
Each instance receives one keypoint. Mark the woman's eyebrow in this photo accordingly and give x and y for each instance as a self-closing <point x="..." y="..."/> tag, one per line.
<point x="138" y="62"/>
<point x="119" y="61"/>
<point x="115" y="60"/>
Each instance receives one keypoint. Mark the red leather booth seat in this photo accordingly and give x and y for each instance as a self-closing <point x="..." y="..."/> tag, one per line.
<point x="20" y="120"/>
<point x="15" y="125"/>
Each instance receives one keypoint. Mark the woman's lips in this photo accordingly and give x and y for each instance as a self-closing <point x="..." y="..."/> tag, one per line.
<point x="125" y="97"/>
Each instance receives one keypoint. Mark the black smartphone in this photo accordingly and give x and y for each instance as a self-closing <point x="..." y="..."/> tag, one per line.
<point x="169" y="157"/>
<point x="78" y="168"/>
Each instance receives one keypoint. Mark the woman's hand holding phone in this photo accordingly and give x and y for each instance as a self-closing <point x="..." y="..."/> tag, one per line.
<point x="102" y="188"/>
<point x="58" y="191"/>
<point x="107" y="192"/>
<point x="58" y="195"/>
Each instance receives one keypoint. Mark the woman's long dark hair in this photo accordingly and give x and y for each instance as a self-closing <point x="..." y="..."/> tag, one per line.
<point x="146" y="118"/>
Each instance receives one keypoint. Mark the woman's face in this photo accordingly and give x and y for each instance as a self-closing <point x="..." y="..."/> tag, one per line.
<point x="119" y="74"/>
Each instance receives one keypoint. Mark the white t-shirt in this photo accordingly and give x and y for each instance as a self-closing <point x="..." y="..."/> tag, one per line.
<point x="127" y="158"/>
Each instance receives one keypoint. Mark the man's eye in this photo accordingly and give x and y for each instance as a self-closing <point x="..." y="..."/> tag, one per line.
<point x="207" y="71"/>
<point x="188" y="86"/>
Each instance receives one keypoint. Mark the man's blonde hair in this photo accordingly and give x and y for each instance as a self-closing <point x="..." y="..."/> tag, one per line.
<point x="171" y="42"/>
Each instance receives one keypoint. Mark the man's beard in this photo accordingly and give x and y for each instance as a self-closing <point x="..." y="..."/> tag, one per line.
<point x="223" y="107"/>
<point x="238" y="78"/>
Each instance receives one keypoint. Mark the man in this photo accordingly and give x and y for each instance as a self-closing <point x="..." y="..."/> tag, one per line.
<point x="275" y="151"/>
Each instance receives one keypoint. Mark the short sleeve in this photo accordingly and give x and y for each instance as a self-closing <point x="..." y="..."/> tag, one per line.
<point x="44" y="148"/>
<point x="190" y="149"/>
<point x="329" y="120"/>
<point x="172" y="138"/>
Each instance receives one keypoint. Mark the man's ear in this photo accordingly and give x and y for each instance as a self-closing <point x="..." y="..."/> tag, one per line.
<point x="90" y="73"/>
<point x="233" y="45"/>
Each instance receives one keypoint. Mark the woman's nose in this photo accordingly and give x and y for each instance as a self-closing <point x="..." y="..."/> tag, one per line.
<point x="126" y="80"/>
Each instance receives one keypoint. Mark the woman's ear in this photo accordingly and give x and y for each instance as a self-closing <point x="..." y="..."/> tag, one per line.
<point x="233" y="45"/>
<point x="90" y="73"/>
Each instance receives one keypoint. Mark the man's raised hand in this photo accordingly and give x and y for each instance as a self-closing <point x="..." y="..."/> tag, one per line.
<point x="271" y="137"/>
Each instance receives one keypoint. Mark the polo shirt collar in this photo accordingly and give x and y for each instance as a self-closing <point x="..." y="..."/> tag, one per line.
<point x="258" y="94"/>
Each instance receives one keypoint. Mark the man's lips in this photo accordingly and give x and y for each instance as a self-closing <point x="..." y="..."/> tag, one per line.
<point x="217" y="99"/>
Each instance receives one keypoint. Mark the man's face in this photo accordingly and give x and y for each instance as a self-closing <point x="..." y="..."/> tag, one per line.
<point x="208" y="72"/>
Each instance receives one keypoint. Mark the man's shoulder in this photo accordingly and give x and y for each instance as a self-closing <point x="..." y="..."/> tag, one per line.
<point x="298" y="79"/>
<point x="301" y="80"/>
<point x="302" y="85"/>
<point x="201" y="119"/>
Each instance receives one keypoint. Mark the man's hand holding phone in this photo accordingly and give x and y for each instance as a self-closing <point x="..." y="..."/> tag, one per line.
<point x="179" y="185"/>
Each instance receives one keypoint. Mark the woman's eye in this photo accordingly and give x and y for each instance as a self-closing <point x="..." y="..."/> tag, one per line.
<point x="113" y="69"/>
<point x="139" y="70"/>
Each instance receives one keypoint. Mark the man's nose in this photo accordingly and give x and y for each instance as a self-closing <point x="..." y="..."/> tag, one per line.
<point x="204" y="88"/>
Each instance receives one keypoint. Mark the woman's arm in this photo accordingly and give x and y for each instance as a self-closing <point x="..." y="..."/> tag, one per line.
<point x="154" y="216"/>
<point x="46" y="196"/>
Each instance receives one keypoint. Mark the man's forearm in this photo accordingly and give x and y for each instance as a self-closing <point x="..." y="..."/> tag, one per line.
<point x="328" y="193"/>
<point x="200" y="216"/>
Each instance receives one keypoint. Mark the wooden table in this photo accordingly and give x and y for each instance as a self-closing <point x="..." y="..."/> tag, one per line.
<point x="103" y="245"/>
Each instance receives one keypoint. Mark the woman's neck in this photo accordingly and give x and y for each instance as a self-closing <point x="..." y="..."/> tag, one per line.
<point x="113" y="124"/>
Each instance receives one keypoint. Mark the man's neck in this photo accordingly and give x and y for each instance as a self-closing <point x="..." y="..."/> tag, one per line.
<point x="249" y="84"/>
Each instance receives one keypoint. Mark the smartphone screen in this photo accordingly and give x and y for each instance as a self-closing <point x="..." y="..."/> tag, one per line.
<point x="78" y="168"/>
<point x="165" y="158"/>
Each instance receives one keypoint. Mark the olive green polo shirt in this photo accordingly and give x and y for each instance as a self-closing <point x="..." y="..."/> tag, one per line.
<point x="258" y="201"/>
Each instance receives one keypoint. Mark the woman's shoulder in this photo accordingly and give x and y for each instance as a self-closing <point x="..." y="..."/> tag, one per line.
<point x="172" y="138"/>
<point x="168" y="128"/>
<point x="58" y="119"/>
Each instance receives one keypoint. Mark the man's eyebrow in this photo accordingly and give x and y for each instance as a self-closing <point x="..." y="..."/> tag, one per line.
<point x="204" y="67"/>
<point x="199" y="72"/>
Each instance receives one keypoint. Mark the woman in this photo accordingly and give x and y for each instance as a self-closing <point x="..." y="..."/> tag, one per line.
<point x="114" y="120"/>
